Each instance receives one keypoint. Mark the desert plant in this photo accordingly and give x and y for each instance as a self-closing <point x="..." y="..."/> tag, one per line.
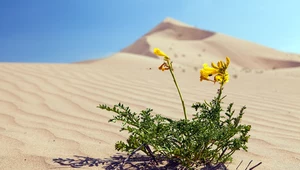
<point x="210" y="137"/>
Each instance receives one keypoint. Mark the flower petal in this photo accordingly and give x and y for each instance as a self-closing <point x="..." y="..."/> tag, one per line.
<point x="158" y="52"/>
<point x="218" y="78"/>
<point x="220" y="64"/>
<point x="227" y="61"/>
<point x="214" y="66"/>
<point x="209" y="70"/>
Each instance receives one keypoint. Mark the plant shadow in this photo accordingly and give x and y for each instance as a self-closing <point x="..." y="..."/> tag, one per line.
<point x="136" y="162"/>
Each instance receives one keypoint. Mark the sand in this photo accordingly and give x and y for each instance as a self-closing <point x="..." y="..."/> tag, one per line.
<point x="49" y="111"/>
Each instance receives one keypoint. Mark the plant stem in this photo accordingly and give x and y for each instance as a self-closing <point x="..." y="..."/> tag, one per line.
<point x="220" y="92"/>
<point x="174" y="79"/>
<point x="221" y="88"/>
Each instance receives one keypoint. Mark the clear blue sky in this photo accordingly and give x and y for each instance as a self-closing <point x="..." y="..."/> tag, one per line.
<point x="60" y="31"/>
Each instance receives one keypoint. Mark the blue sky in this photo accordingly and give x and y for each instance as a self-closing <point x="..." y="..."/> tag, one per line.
<point x="60" y="31"/>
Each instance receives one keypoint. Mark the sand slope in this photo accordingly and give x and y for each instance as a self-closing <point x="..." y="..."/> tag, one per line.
<point x="49" y="110"/>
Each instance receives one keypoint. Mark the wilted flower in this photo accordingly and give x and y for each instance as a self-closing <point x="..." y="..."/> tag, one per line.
<point x="164" y="67"/>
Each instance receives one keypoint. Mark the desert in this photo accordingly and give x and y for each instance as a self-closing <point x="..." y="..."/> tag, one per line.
<point x="49" y="110"/>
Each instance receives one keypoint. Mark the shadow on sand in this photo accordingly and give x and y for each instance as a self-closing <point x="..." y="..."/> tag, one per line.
<point x="118" y="161"/>
<point x="137" y="162"/>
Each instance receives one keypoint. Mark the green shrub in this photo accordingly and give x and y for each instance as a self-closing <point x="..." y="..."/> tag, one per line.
<point x="210" y="137"/>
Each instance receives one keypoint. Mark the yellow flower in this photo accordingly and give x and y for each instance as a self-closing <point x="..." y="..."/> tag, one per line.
<point x="219" y="70"/>
<point x="222" y="66"/>
<point x="158" y="52"/>
<point x="222" y="78"/>
<point x="207" y="71"/>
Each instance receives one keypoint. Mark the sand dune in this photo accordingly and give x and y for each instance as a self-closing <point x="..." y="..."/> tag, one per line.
<point x="49" y="110"/>
<point x="190" y="46"/>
